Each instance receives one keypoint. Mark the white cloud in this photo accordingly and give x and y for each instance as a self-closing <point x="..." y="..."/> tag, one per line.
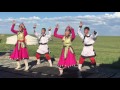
<point x="30" y="18"/>
<point x="101" y="23"/>
<point x="22" y="19"/>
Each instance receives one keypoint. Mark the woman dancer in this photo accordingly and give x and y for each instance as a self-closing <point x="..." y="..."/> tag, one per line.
<point x="67" y="58"/>
<point x="20" y="51"/>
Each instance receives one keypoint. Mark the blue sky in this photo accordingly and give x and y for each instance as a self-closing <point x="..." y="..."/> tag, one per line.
<point x="106" y="23"/>
<point x="47" y="14"/>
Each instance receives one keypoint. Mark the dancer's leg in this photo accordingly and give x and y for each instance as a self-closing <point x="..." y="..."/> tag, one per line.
<point x="18" y="65"/>
<point x="26" y="65"/>
<point x="38" y="58"/>
<point x="61" y="71"/>
<point x="49" y="59"/>
<point x="81" y="61"/>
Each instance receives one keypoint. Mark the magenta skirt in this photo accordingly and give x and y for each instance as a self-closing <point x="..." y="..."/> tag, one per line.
<point x="19" y="54"/>
<point x="69" y="61"/>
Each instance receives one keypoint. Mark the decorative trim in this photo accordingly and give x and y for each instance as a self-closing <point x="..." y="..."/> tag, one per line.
<point x="17" y="59"/>
<point x="88" y="56"/>
<point x="65" y="66"/>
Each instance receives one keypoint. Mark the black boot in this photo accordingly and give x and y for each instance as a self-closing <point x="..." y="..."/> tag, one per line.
<point x="94" y="67"/>
<point x="79" y="74"/>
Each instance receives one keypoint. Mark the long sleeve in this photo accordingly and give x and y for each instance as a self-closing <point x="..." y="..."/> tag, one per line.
<point x="12" y="29"/>
<point x="49" y="34"/>
<point x="36" y="34"/>
<point x="57" y="35"/>
<point x="73" y="34"/>
<point x="93" y="36"/>
<point x="80" y="33"/>
<point x="25" y="32"/>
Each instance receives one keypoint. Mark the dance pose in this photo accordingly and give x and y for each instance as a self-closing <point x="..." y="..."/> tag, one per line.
<point x="20" y="51"/>
<point x="88" y="41"/>
<point x="67" y="58"/>
<point x="43" y="45"/>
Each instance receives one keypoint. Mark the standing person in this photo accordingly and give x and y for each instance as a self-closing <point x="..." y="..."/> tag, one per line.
<point x="88" y="41"/>
<point x="67" y="58"/>
<point x="20" y="51"/>
<point x="43" y="45"/>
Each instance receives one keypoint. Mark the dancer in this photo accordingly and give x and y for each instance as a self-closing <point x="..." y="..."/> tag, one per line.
<point x="43" y="45"/>
<point x="88" y="41"/>
<point x="20" y="51"/>
<point x="67" y="58"/>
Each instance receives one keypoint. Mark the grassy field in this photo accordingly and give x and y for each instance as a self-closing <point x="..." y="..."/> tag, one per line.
<point x="107" y="48"/>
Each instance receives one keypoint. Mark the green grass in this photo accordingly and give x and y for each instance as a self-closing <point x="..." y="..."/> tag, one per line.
<point x="107" y="48"/>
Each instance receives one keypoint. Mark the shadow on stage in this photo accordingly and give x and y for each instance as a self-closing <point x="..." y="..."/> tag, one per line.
<point x="49" y="72"/>
<point x="114" y="65"/>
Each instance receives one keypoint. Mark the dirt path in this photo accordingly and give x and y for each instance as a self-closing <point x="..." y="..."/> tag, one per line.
<point x="44" y="71"/>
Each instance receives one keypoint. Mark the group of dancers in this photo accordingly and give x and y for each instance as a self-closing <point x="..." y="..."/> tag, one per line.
<point x="67" y="58"/>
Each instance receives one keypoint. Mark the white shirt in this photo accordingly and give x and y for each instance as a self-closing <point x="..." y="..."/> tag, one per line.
<point x="43" y="39"/>
<point x="90" y="39"/>
<point x="43" y="49"/>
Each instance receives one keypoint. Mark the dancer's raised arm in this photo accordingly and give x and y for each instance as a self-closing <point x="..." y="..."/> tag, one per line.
<point x="79" y="31"/>
<point x="12" y="28"/>
<point x="55" y="32"/>
<point x="24" y="29"/>
<point x="73" y="33"/>
<point x="35" y="33"/>
<point x="94" y="35"/>
<point x="49" y="33"/>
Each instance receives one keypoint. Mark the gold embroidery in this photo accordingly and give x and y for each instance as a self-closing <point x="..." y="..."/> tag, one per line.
<point x="20" y="36"/>
<point x="21" y="40"/>
<point x="67" y="45"/>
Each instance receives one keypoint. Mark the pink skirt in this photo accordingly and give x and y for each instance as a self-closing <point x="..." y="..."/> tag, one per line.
<point x="19" y="54"/>
<point x="69" y="61"/>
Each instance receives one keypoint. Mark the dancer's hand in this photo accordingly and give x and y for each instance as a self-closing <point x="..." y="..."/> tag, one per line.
<point x="95" y="32"/>
<point x="49" y="29"/>
<point x="81" y="24"/>
<point x="34" y="27"/>
<point x="57" y="26"/>
<point x="14" y="22"/>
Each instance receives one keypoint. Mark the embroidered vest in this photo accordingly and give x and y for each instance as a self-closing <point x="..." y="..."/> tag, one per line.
<point x="20" y="36"/>
<point x="67" y="45"/>
<point x="21" y="40"/>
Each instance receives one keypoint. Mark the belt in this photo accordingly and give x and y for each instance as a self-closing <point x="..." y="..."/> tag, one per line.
<point x="42" y="43"/>
<point x="88" y="44"/>
<point x="21" y="40"/>
<point x="66" y="50"/>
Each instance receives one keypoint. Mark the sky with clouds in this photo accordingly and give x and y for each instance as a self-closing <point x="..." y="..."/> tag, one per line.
<point x="105" y="23"/>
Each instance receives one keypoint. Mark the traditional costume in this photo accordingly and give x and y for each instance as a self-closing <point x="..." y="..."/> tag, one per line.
<point x="88" y="51"/>
<point x="43" y="46"/>
<point x="20" y="51"/>
<point x="67" y="58"/>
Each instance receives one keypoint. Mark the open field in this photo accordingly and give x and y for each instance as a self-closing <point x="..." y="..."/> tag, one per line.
<point x="107" y="49"/>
